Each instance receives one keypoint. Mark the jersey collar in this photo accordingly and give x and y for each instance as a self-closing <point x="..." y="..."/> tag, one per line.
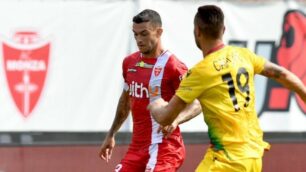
<point x="216" y="48"/>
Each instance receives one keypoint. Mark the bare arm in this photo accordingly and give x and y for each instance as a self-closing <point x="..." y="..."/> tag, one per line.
<point x="165" y="113"/>
<point x="122" y="113"/>
<point x="190" y="111"/>
<point x="286" y="78"/>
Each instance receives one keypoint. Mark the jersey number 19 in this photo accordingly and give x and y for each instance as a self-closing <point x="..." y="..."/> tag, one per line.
<point x="243" y="87"/>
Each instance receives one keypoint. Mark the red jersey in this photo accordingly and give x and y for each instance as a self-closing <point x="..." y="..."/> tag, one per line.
<point x="137" y="72"/>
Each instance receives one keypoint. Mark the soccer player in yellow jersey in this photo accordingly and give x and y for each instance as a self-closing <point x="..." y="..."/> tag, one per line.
<point x="223" y="82"/>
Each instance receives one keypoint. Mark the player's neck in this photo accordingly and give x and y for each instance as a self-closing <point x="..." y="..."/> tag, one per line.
<point x="211" y="46"/>
<point x="154" y="53"/>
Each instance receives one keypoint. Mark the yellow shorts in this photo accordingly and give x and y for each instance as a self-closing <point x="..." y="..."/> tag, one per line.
<point x="218" y="162"/>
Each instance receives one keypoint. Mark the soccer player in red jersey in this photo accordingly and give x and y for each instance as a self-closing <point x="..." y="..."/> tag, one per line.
<point x="150" y="73"/>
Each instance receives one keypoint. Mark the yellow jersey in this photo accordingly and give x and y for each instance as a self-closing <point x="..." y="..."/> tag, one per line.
<point x="223" y="82"/>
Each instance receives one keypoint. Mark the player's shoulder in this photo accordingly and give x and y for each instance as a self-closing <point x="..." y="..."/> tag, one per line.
<point x="200" y="66"/>
<point x="239" y="49"/>
<point x="174" y="60"/>
<point x="173" y="57"/>
<point x="132" y="56"/>
<point x="203" y="67"/>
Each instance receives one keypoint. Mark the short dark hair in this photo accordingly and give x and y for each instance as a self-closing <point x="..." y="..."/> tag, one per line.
<point x="148" y="15"/>
<point x="210" y="20"/>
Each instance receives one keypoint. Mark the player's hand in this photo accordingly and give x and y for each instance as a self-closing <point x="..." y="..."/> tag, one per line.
<point x="106" y="149"/>
<point x="167" y="130"/>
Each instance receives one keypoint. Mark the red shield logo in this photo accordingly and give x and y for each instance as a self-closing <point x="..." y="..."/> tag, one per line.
<point x="157" y="70"/>
<point x="26" y="58"/>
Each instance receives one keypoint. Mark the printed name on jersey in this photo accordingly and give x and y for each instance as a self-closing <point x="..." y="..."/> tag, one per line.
<point x="131" y="70"/>
<point x="138" y="90"/>
<point x="221" y="63"/>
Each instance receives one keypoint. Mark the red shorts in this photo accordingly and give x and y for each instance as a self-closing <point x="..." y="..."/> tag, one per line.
<point x="166" y="156"/>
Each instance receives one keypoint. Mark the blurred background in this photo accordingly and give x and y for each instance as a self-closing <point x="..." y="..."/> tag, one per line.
<point x="61" y="77"/>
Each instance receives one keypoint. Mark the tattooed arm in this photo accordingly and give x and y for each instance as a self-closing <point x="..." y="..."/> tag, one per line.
<point x="286" y="78"/>
<point x="123" y="109"/>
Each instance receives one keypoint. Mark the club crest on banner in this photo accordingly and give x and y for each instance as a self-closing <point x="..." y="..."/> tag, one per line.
<point x="26" y="57"/>
<point x="290" y="54"/>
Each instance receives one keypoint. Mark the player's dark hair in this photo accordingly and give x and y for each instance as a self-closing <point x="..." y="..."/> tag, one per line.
<point x="148" y="15"/>
<point x="210" y="20"/>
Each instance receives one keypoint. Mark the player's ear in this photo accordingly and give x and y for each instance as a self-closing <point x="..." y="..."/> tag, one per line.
<point x="159" y="31"/>
<point x="197" y="31"/>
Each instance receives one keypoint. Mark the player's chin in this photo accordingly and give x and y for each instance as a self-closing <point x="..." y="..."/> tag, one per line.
<point x="143" y="50"/>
